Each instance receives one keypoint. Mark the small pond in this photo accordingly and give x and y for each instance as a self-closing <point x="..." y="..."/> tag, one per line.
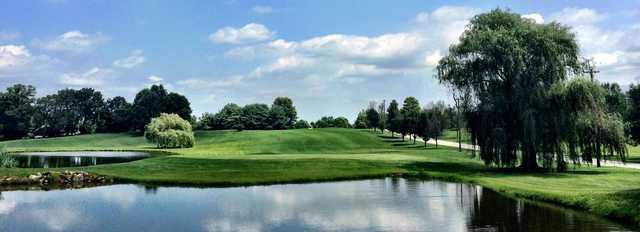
<point x="74" y="159"/>
<point x="391" y="204"/>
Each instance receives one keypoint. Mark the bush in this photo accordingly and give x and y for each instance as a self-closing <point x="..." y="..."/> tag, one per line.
<point x="6" y="160"/>
<point x="301" y="124"/>
<point x="170" y="131"/>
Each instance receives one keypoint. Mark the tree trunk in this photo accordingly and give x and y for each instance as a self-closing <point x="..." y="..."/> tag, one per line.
<point x="459" y="138"/>
<point x="392" y="135"/>
<point x="529" y="162"/>
<point x="403" y="137"/>
<point x="414" y="139"/>
<point x="436" y="142"/>
<point x="425" y="143"/>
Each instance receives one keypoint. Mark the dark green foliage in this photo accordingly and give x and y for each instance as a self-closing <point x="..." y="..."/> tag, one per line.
<point x="341" y="122"/>
<point x="633" y="117"/>
<point x="373" y="117"/>
<point x="278" y="117"/>
<point x="16" y="108"/>
<point x="433" y="121"/>
<point x="410" y="116"/>
<point x="361" y="121"/>
<point x="301" y="124"/>
<point x="329" y="121"/>
<point x="615" y="100"/>
<point x="290" y="111"/>
<point x="392" y="116"/>
<point x="68" y="112"/>
<point x="150" y="102"/>
<point x="117" y="115"/>
<point x="256" y="116"/>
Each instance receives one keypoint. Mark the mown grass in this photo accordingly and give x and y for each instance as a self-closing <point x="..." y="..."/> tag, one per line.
<point x="264" y="157"/>
<point x="451" y="135"/>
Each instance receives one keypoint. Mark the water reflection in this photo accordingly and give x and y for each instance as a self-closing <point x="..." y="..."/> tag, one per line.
<point x="370" y="205"/>
<point x="74" y="159"/>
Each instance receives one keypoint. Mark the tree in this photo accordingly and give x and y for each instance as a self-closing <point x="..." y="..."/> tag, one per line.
<point x="410" y="115"/>
<point x="373" y="117"/>
<point x="633" y="117"/>
<point x="227" y="118"/>
<point x="290" y="111"/>
<point x="117" y="115"/>
<point x="148" y="103"/>
<point x="169" y="131"/>
<point x="301" y="124"/>
<point x="177" y="104"/>
<point x="462" y="99"/>
<point x="512" y="66"/>
<point x="423" y="126"/>
<point x="16" y="108"/>
<point x="615" y="99"/>
<point x="279" y="117"/>
<point x="256" y="117"/>
<point x="437" y="120"/>
<point x="325" y="122"/>
<point x="361" y="121"/>
<point x="68" y="112"/>
<point x="382" y="116"/>
<point x="392" y="114"/>
<point x="341" y="122"/>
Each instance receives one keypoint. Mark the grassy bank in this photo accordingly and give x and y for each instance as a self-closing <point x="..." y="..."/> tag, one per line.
<point x="263" y="157"/>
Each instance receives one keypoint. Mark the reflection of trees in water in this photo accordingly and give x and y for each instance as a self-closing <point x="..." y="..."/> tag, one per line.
<point x="500" y="213"/>
<point x="150" y="189"/>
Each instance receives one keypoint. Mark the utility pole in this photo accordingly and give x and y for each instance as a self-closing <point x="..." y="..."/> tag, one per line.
<point x="589" y="67"/>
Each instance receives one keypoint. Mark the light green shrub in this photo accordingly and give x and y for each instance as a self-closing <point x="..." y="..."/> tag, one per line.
<point x="170" y="131"/>
<point x="6" y="160"/>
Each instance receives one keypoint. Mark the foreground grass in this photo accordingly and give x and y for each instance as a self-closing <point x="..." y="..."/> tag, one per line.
<point x="265" y="157"/>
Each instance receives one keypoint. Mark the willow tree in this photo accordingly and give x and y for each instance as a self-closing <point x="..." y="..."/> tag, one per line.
<point x="510" y="64"/>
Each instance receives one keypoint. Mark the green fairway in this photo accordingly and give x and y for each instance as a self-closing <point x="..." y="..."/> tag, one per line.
<point x="451" y="135"/>
<point x="226" y="158"/>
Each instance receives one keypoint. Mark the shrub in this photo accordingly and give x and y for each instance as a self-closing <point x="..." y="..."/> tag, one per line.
<point x="6" y="160"/>
<point x="170" y="131"/>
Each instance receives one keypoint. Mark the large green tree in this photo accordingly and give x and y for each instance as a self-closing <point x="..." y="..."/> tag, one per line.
<point x="16" y="108"/>
<point x="150" y="102"/>
<point x="392" y="117"/>
<point x="410" y="117"/>
<point x="289" y="109"/>
<point x="511" y="65"/>
<point x="633" y="116"/>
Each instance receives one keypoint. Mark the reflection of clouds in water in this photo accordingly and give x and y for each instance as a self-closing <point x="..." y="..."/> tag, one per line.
<point x="7" y="206"/>
<point x="57" y="218"/>
<point x="361" y="219"/>
<point x="225" y="225"/>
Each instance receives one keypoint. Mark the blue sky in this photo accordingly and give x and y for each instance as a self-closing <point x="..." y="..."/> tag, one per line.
<point x="331" y="57"/>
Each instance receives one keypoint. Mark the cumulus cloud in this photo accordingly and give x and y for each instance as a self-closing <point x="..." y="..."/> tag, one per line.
<point x="284" y="64"/>
<point x="17" y="58"/>
<point x="154" y="79"/>
<point x="241" y="53"/>
<point x="93" y="77"/>
<point x="251" y="32"/>
<point x="134" y="59"/>
<point x="262" y="9"/>
<point x="72" y="41"/>
<point x="206" y="83"/>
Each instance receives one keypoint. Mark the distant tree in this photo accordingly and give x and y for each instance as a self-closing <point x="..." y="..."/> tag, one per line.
<point x="170" y="131"/>
<point x="392" y="115"/>
<point x="117" y="115"/>
<point x="301" y="124"/>
<point x="16" y="109"/>
<point x="373" y="117"/>
<point x="148" y="103"/>
<point x="341" y="122"/>
<point x="437" y="120"/>
<point x="177" y="104"/>
<point x="227" y="118"/>
<point x="325" y="122"/>
<point x="68" y="112"/>
<point x="290" y="111"/>
<point x="256" y="117"/>
<point x="279" y="117"/>
<point x="410" y="114"/>
<point x="615" y="99"/>
<point x="208" y="121"/>
<point x="382" y="115"/>
<point x="633" y="117"/>
<point x="423" y="126"/>
<point x="361" y="121"/>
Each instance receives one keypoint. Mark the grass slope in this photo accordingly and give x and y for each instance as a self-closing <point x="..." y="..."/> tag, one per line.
<point x="264" y="157"/>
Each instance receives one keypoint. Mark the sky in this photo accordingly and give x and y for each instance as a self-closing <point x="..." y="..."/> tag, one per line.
<point x="331" y="57"/>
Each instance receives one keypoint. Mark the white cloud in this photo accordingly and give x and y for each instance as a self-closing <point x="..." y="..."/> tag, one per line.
<point x="251" y="32"/>
<point x="283" y="64"/>
<point x="241" y="53"/>
<point x="206" y="83"/>
<point x="134" y="59"/>
<point x="93" y="77"/>
<point x="535" y="17"/>
<point x="17" y="58"/>
<point x="154" y="79"/>
<point x="262" y="9"/>
<point x="577" y="16"/>
<point x="433" y="58"/>
<point x="9" y="35"/>
<point x="72" y="41"/>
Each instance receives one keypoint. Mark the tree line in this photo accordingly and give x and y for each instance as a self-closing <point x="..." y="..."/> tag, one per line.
<point x="71" y="111"/>
<point x="280" y="115"/>
<point x="410" y="119"/>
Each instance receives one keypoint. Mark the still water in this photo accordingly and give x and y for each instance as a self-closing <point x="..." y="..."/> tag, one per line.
<point x="74" y="159"/>
<point x="391" y="204"/>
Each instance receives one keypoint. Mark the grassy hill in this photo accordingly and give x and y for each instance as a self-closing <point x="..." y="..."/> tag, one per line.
<point x="224" y="158"/>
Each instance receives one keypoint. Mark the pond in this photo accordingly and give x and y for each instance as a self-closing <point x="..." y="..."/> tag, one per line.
<point x="74" y="159"/>
<point x="391" y="204"/>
